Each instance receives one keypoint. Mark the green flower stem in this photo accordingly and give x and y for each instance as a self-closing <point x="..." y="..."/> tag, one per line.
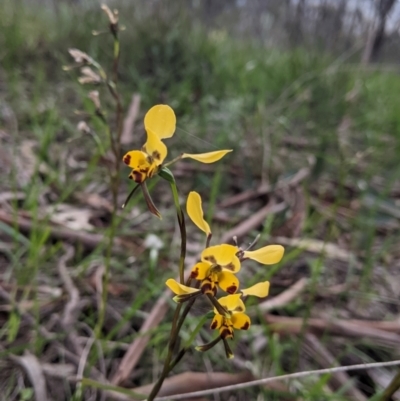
<point x="189" y="342"/>
<point x="221" y="310"/>
<point x="167" y="175"/>
<point x="167" y="362"/>
<point x="106" y="276"/>
<point x="176" y="322"/>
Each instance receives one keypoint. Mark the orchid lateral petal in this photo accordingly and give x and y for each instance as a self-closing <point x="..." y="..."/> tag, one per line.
<point x="260" y="290"/>
<point x="179" y="289"/>
<point x="200" y="270"/>
<point x="195" y="212"/>
<point x="160" y="120"/>
<point x="240" y="321"/>
<point x="142" y="168"/>
<point x="222" y="255"/>
<point x="210" y="157"/>
<point x="268" y="255"/>
<point x="232" y="303"/>
<point x="228" y="282"/>
<point x="155" y="148"/>
<point x="217" y="322"/>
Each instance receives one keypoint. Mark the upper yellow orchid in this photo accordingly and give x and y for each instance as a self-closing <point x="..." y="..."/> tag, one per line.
<point x="160" y="123"/>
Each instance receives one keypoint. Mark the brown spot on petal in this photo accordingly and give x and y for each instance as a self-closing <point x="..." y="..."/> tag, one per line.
<point x="245" y="326"/>
<point x="231" y="289"/>
<point x="211" y="259"/>
<point x="230" y="267"/>
<point x="226" y="332"/>
<point x="194" y="273"/>
<point x="137" y="176"/>
<point x="156" y="155"/>
<point x="214" y="325"/>
<point x="239" y="309"/>
<point x="127" y="159"/>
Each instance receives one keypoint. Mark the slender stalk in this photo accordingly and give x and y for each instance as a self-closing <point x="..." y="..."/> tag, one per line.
<point x="176" y="322"/>
<point x="182" y="228"/>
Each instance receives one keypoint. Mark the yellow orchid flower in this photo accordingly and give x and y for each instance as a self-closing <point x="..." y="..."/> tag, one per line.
<point x="230" y="316"/>
<point x="160" y="123"/>
<point x="267" y="255"/>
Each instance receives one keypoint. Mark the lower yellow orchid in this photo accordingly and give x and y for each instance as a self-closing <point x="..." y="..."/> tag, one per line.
<point x="230" y="316"/>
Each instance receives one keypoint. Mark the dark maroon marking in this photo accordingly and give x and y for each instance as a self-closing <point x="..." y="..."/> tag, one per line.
<point x="211" y="259"/>
<point x="214" y="325"/>
<point x="226" y="333"/>
<point x="238" y="309"/>
<point x="232" y="289"/>
<point x="137" y="176"/>
<point x="194" y="273"/>
<point x="230" y="267"/>
<point x="156" y="155"/>
<point x="127" y="159"/>
<point x="246" y="326"/>
<point x="207" y="288"/>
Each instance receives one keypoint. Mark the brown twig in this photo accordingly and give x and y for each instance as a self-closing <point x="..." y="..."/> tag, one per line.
<point x="89" y="240"/>
<point x="284" y="297"/>
<point x="253" y="221"/>
<point x="374" y="331"/>
<point x="325" y="360"/>
<point x="264" y="189"/>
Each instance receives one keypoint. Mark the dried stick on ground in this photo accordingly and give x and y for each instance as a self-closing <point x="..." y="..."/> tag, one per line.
<point x="253" y="221"/>
<point x="195" y="381"/>
<point x="325" y="359"/>
<point x="284" y="297"/>
<point x="34" y="370"/>
<point x="264" y="189"/>
<point x="338" y="327"/>
<point x="89" y="240"/>
<point x="129" y="121"/>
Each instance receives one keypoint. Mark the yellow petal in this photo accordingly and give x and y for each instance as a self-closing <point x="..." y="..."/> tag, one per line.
<point x="160" y="120"/>
<point x="195" y="212"/>
<point x="232" y="303"/>
<point x="240" y="321"/>
<point x="217" y="322"/>
<point x="222" y="255"/>
<point x="200" y="270"/>
<point x="179" y="289"/>
<point x="228" y="282"/>
<point x="136" y="159"/>
<point x="210" y="157"/>
<point x="155" y="148"/>
<point x="260" y="290"/>
<point x="268" y="255"/>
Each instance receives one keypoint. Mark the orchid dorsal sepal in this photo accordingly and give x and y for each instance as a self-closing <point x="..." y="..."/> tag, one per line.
<point x="161" y="120"/>
<point x="195" y="211"/>
<point x="260" y="290"/>
<point x="209" y="157"/>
